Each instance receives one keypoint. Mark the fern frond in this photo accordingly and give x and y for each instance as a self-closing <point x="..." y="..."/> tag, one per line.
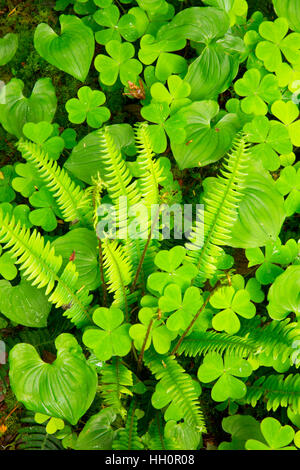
<point x="276" y="390"/>
<point x="157" y="438"/>
<point x="118" y="270"/>
<point x="213" y="227"/>
<point x="115" y="380"/>
<point x="150" y="170"/>
<point x="34" y="436"/>
<point x="276" y="339"/>
<point x="41" y="268"/>
<point x="179" y="386"/>
<point x="117" y="178"/>
<point x="202" y="342"/>
<point x="128" y="438"/>
<point x="71" y="200"/>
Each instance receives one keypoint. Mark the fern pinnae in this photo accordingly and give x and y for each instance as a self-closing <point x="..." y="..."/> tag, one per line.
<point x="71" y="200"/>
<point x="213" y="228"/>
<point x="179" y="386"/>
<point x="151" y="173"/>
<point x="41" y="267"/>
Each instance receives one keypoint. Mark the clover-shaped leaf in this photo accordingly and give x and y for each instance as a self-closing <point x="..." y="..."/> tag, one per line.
<point x="257" y="91"/>
<point x="184" y="308"/>
<point x="157" y="332"/>
<point x="28" y="179"/>
<point x="158" y="113"/>
<point x="7" y="193"/>
<point x="226" y="371"/>
<point x="288" y="113"/>
<point x="44" y="134"/>
<point x="131" y="26"/>
<point x="277" y="437"/>
<point x="44" y="215"/>
<point x="176" y="95"/>
<point x="119" y="62"/>
<point x="272" y="138"/>
<point x="20" y="213"/>
<point x="276" y="42"/>
<point x="88" y="107"/>
<point x="288" y="185"/>
<point x="53" y="425"/>
<point x="170" y="262"/>
<point x="275" y="254"/>
<point x="232" y="304"/>
<point x="112" y="338"/>
<point x="151" y="49"/>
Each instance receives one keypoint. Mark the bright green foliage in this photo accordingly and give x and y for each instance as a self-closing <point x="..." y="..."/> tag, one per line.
<point x="16" y="109"/>
<point x="227" y="385"/>
<point x="88" y="107"/>
<point x="209" y="134"/>
<point x="119" y="62"/>
<point x="130" y="26"/>
<point x="277" y="437"/>
<point x="289" y="185"/>
<point x="272" y="138"/>
<point x="213" y="230"/>
<point x="232" y="304"/>
<point x="203" y="139"/>
<point x="43" y="380"/>
<point x="257" y="92"/>
<point x="112" y="339"/>
<point x="276" y="42"/>
<point x="72" y="51"/>
<point x="8" y="47"/>
<point x="15" y="299"/>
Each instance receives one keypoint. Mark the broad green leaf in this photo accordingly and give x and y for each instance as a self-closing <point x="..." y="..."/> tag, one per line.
<point x="97" y="433"/>
<point x="24" y="304"/>
<point x="284" y="294"/>
<point x="8" y="48"/>
<point x="71" y="51"/>
<point x="209" y="134"/>
<point x="16" y="109"/>
<point x="277" y="436"/>
<point x="64" y="389"/>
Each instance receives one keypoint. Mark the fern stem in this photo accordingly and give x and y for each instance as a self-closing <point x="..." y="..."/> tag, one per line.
<point x="144" y="346"/>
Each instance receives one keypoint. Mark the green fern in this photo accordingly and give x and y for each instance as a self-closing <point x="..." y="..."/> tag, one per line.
<point x="71" y="200"/>
<point x="115" y="380"/>
<point x="41" y="267"/>
<point x="276" y="339"/>
<point x="151" y="172"/>
<point x="276" y="390"/>
<point x="128" y="438"/>
<point x="156" y="435"/>
<point x="213" y="227"/>
<point x="117" y="178"/>
<point x="119" y="274"/>
<point x="34" y="437"/>
<point x="179" y="385"/>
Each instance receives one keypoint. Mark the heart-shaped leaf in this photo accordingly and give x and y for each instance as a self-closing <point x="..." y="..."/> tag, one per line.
<point x="64" y="389"/>
<point x="16" y="109"/>
<point x="72" y="51"/>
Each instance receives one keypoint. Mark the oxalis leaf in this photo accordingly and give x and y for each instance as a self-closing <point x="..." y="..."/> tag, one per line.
<point x="72" y="51"/>
<point x="64" y="389"/>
